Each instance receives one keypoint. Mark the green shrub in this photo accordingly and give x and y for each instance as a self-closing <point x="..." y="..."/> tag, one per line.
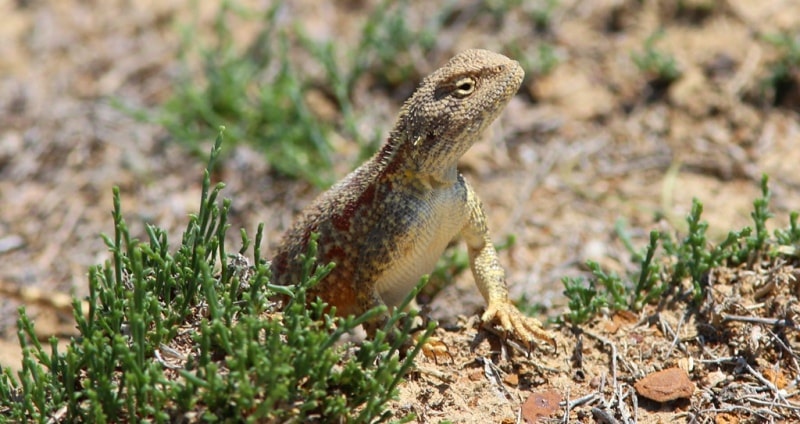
<point x="784" y="71"/>
<point x="238" y="359"/>
<point x="258" y="90"/>
<point x="688" y="258"/>
<point x="253" y="90"/>
<point x="659" y="66"/>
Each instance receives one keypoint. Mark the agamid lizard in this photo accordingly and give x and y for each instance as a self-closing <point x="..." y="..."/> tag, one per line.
<point x="386" y="224"/>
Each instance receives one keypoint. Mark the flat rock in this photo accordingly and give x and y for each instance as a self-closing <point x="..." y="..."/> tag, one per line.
<point x="665" y="385"/>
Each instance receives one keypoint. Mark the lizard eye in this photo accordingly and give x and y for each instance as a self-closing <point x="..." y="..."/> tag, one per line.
<point x="464" y="87"/>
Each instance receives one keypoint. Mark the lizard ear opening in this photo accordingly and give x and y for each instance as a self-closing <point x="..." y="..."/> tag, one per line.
<point x="464" y="87"/>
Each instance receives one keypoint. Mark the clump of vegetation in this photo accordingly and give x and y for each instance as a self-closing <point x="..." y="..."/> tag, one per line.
<point x="187" y="335"/>
<point x="539" y="12"/>
<point x="659" y="66"/>
<point x="783" y="82"/>
<point x="258" y="90"/>
<point x="254" y="90"/>
<point x="536" y="61"/>
<point x="688" y="258"/>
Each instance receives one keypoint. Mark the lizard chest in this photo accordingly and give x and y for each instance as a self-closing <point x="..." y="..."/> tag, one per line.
<point x="424" y="229"/>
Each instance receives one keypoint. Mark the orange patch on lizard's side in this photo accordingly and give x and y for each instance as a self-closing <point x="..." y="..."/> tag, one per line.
<point x="341" y="294"/>
<point x="337" y="288"/>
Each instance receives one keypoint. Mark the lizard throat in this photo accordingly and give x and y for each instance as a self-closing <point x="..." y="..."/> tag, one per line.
<point x="432" y="181"/>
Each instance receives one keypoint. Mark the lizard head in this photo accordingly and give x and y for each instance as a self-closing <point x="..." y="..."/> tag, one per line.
<point x="450" y="109"/>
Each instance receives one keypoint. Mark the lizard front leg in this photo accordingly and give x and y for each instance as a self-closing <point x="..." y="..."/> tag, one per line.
<point x="491" y="280"/>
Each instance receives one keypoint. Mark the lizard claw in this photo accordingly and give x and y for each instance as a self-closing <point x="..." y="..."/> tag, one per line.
<point x="513" y="322"/>
<point x="434" y="348"/>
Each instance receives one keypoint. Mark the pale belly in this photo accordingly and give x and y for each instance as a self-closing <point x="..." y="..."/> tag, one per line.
<point x="442" y="222"/>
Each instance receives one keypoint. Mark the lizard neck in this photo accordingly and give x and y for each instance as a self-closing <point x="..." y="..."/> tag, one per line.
<point x="403" y="159"/>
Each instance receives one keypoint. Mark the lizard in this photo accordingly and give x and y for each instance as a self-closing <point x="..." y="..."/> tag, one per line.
<point x="386" y="223"/>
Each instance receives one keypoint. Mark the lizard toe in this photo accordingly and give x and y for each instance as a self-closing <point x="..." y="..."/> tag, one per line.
<point x="434" y="348"/>
<point x="522" y="328"/>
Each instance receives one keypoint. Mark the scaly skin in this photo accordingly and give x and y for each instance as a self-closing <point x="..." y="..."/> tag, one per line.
<point x="387" y="223"/>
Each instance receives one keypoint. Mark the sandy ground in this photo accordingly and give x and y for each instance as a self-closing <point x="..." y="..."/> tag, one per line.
<point x="586" y="146"/>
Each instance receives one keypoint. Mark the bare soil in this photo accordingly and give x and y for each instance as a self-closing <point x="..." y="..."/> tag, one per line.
<point x="594" y="142"/>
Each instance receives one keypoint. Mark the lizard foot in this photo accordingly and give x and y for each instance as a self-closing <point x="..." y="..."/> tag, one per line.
<point x="514" y="323"/>
<point x="434" y="348"/>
